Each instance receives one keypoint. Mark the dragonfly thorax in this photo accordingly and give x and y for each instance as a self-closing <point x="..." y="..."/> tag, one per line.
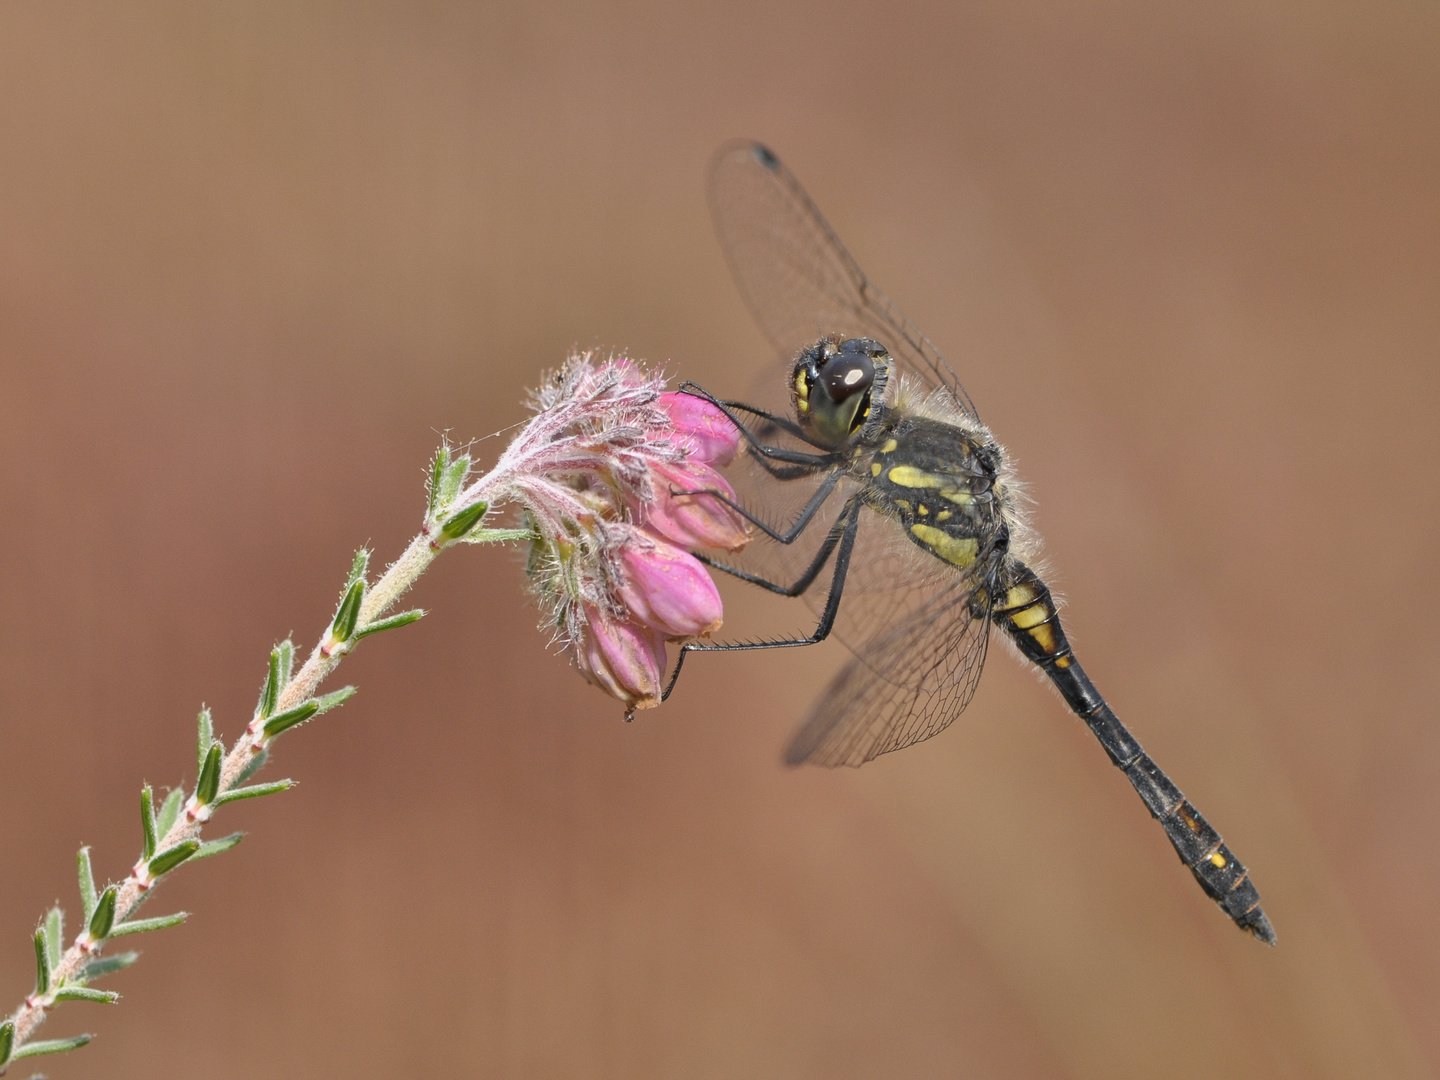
<point x="833" y="385"/>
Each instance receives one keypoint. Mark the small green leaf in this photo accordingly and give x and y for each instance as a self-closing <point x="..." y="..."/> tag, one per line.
<point x="255" y="791"/>
<point x="55" y="935"/>
<point x="286" y="720"/>
<point x="437" y="474"/>
<point x="464" y="520"/>
<point x="287" y="662"/>
<point x="147" y="820"/>
<point x="7" y="1041"/>
<point x="203" y="739"/>
<point x="144" y="926"/>
<point x="87" y="884"/>
<point x="215" y="847"/>
<point x="172" y="857"/>
<point x="405" y="618"/>
<point x="50" y="1046"/>
<point x="453" y="479"/>
<point x="42" y="963"/>
<point x="170" y="810"/>
<point x="209" y="782"/>
<point x="255" y="764"/>
<point x="107" y="965"/>
<point x="104" y="917"/>
<point x="498" y="536"/>
<point x="334" y="699"/>
<point x="358" y="566"/>
<point x="270" y="690"/>
<point x="342" y="628"/>
<point x="84" y="993"/>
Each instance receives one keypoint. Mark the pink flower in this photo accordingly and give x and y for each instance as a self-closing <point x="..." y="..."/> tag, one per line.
<point x="701" y="428"/>
<point x="623" y="658"/>
<point x="694" y="521"/>
<point x="668" y="589"/>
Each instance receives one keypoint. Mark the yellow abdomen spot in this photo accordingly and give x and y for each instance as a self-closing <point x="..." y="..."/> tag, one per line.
<point x="956" y="550"/>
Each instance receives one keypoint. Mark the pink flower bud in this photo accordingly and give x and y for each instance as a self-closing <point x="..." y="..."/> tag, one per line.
<point x="624" y="659"/>
<point x="694" y="521"/>
<point x="701" y="428"/>
<point x="668" y="589"/>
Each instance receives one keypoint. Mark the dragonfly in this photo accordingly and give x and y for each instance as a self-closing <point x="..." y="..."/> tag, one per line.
<point x="881" y="497"/>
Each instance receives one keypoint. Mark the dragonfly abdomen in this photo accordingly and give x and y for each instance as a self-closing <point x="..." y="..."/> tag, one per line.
<point x="1027" y="613"/>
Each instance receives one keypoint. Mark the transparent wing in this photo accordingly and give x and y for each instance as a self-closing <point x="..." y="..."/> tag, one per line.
<point x="904" y="684"/>
<point x="796" y="276"/>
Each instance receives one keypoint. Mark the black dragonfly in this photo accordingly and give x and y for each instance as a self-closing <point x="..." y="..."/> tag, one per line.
<point x="866" y="440"/>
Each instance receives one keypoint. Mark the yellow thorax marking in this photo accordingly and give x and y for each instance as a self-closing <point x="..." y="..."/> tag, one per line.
<point x="911" y="477"/>
<point x="959" y="498"/>
<point x="942" y="515"/>
<point x="890" y="445"/>
<point x="956" y="550"/>
<point x="922" y="510"/>
<point x="874" y="468"/>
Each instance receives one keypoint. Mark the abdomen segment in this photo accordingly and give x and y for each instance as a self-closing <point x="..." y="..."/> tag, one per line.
<point x="1027" y="613"/>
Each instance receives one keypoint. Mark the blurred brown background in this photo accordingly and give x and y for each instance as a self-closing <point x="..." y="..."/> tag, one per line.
<point x="254" y="257"/>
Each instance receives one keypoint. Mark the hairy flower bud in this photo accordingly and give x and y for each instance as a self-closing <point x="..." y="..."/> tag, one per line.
<point x="623" y="658"/>
<point x="701" y="428"/>
<point x="694" y="520"/>
<point x="668" y="589"/>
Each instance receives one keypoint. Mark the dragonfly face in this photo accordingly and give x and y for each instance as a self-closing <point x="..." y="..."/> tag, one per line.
<point x="881" y="498"/>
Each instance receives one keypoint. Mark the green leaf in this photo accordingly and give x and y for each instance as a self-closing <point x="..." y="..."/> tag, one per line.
<point x="255" y="764"/>
<point x="255" y="791"/>
<point x="464" y="520"/>
<point x="287" y="662"/>
<point x="172" y="857"/>
<point x="498" y="536"/>
<point x="286" y="720"/>
<point x="107" y="965"/>
<point x="147" y="820"/>
<point x="334" y="699"/>
<point x="87" y="884"/>
<point x="453" y="479"/>
<point x="55" y="935"/>
<point x="215" y="847"/>
<point x="437" y="474"/>
<point x="84" y="993"/>
<point x="209" y="782"/>
<point x="405" y="618"/>
<point x="269" y="691"/>
<point x="144" y="926"/>
<point x="342" y="628"/>
<point x="42" y="963"/>
<point x="170" y="810"/>
<point x="50" y="1046"/>
<point x="358" y="566"/>
<point x="204" y="738"/>
<point x="7" y="1041"/>
<point x="104" y="918"/>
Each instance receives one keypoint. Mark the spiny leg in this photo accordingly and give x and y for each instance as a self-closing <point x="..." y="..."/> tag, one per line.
<point x="844" y="534"/>
<point x="1027" y="613"/>
<point x="789" y="536"/>
<point x="806" y="579"/>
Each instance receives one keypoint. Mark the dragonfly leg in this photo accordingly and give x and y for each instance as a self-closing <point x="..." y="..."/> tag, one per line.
<point x="806" y="515"/>
<point x="1027" y="613"/>
<point x="841" y="540"/>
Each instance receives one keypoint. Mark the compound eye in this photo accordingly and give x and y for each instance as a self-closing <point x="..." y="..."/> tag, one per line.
<point x="846" y="375"/>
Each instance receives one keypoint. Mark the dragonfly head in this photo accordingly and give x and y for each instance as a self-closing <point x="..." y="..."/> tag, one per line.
<point x="833" y="385"/>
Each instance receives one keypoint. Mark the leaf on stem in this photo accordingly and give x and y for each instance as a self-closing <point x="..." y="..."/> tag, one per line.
<point x="215" y="847"/>
<point x="55" y="935"/>
<point x="7" y="1041"/>
<point x="204" y="737"/>
<point x="437" y="474"/>
<point x="290" y="718"/>
<point x="358" y="566"/>
<point x="107" y="965"/>
<point x="104" y="918"/>
<point x="42" y="964"/>
<point x="171" y="857"/>
<point x="453" y="479"/>
<point x="405" y="618"/>
<point x="147" y="820"/>
<point x="254" y="791"/>
<point x="87" y="884"/>
<point x="209" y="782"/>
<point x="144" y="926"/>
<point x="84" y="993"/>
<point x="342" y="627"/>
<point x="50" y="1046"/>
<point x="334" y="699"/>
<point x="456" y="526"/>
<point x="269" y="691"/>
<point x="287" y="662"/>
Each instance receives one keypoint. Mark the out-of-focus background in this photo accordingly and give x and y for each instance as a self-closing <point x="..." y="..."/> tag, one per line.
<point x="254" y="258"/>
